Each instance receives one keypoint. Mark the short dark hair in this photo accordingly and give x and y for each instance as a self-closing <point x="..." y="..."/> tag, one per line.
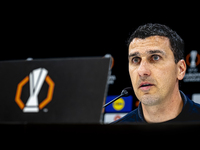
<point x="147" y="30"/>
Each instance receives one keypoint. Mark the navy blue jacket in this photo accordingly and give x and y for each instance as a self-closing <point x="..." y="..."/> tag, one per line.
<point x="189" y="113"/>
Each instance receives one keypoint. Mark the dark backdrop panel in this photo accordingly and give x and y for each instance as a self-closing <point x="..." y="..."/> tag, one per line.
<point x="61" y="32"/>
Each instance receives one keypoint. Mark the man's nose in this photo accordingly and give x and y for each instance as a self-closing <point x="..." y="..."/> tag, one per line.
<point x="143" y="69"/>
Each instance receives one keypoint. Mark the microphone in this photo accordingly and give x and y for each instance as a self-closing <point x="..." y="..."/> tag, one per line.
<point x="125" y="92"/>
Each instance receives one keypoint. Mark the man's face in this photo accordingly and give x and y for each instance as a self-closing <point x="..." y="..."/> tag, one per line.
<point x="152" y="69"/>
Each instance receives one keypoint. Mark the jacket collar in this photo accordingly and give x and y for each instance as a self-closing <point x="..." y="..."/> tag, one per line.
<point x="186" y="106"/>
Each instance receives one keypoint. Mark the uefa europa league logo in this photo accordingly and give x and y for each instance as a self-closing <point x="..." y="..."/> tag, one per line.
<point x="193" y="59"/>
<point x="36" y="79"/>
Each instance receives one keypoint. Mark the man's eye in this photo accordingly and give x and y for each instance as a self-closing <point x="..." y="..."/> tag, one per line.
<point x="136" y="60"/>
<point x="155" y="57"/>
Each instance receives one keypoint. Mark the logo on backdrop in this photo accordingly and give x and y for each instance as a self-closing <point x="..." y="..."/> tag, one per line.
<point x="36" y="79"/>
<point x="118" y="104"/>
<point x="111" y="78"/>
<point x="193" y="61"/>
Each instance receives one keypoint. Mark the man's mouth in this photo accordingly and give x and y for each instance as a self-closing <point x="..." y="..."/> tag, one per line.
<point x="145" y="86"/>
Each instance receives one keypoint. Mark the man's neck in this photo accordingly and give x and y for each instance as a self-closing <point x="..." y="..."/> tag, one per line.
<point x="165" y="111"/>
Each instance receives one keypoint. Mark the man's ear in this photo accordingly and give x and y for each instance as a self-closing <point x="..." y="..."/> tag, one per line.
<point x="181" y="69"/>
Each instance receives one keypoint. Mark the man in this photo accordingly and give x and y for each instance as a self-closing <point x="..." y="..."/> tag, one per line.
<point x="156" y="65"/>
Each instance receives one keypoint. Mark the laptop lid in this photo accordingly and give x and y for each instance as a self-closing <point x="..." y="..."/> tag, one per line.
<point x="68" y="90"/>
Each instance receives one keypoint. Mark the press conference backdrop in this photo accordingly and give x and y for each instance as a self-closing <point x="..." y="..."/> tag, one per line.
<point x="97" y="36"/>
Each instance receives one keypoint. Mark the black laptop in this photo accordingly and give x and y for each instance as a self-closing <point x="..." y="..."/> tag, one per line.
<point x="67" y="90"/>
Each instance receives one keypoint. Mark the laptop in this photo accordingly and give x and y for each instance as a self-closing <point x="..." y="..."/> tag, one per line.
<point x="67" y="90"/>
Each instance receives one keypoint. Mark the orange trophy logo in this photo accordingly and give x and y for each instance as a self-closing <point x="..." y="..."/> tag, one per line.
<point x="36" y="79"/>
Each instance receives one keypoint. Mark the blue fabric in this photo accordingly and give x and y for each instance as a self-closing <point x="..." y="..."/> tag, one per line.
<point x="189" y="113"/>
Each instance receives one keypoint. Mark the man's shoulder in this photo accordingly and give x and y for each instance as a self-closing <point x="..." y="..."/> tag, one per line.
<point x="191" y="110"/>
<point x="196" y="107"/>
<point x="130" y="117"/>
<point x="194" y="111"/>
